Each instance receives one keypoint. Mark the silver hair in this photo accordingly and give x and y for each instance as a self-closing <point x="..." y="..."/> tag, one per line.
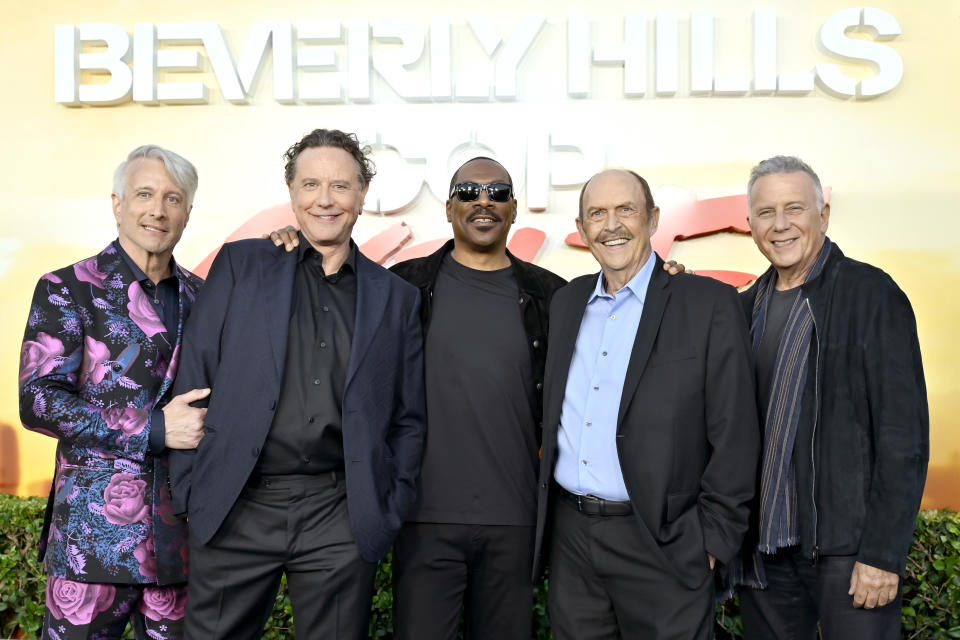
<point x="785" y="164"/>
<point x="181" y="170"/>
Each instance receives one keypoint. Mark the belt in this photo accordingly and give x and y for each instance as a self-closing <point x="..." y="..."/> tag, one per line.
<point x="594" y="506"/>
<point x="295" y="480"/>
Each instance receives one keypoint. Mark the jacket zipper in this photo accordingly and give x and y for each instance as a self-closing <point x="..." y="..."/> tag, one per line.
<point x="813" y="436"/>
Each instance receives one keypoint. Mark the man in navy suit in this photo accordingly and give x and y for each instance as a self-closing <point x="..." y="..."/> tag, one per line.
<point x="315" y="421"/>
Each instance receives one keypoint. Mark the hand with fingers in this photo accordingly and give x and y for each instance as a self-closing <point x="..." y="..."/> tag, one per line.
<point x="288" y="237"/>
<point x="184" y="424"/>
<point x="872" y="587"/>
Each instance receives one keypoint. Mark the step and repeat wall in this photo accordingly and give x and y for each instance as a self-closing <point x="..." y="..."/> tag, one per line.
<point x="689" y="94"/>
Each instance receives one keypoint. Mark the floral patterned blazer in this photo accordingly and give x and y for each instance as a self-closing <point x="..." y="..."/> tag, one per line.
<point x="96" y="360"/>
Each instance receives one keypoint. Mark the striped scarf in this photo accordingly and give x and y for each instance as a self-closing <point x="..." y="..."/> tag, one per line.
<point x="778" y="492"/>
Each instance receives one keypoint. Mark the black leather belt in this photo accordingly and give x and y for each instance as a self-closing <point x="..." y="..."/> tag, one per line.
<point x="594" y="506"/>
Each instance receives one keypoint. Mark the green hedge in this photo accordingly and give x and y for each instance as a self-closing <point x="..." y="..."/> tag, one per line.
<point x="931" y="589"/>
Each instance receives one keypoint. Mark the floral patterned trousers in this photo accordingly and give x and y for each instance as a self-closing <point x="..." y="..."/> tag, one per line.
<point x="100" y="611"/>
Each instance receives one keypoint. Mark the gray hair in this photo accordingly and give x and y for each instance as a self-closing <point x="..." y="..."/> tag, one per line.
<point x="181" y="170"/>
<point x="785" y="164"/>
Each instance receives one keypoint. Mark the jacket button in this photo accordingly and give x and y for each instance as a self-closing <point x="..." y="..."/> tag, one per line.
<point x="117" y="367"/>
<point x="539" y="386"/>
<point x="536" y="344"/>
<point x="543" y="485"/>
<point x="521" y="299"/>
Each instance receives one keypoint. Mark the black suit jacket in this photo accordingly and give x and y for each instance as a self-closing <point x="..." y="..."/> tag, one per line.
<point x="687" y="434"/>
<point x="236" y="342"/>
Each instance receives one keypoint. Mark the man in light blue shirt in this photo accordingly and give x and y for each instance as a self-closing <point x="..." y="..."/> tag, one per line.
<point x="650" y="443"/>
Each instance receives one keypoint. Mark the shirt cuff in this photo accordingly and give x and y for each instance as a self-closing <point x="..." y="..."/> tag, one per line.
<point x="158" y="432"/>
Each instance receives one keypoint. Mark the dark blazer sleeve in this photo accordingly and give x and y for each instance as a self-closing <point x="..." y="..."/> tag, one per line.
<point x="897" y="397"/>
<point x="729" y="479"/>
<point x="405" y="436"/>
<point x="199" y="361"/>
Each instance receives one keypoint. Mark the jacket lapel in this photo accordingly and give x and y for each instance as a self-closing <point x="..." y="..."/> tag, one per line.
<point x="653" y="307"/>
<point x="277" y="278"/>
<point x="372" y="293"/>
<point x="565" y="327"/>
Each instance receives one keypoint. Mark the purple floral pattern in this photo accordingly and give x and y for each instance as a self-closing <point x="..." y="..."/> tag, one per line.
<point x="142" y="312"/>
<point x="82" y="383"/>
<point x="39" y="357"/>
<point x="159" y="603"/>
<point x="78" y="602"/>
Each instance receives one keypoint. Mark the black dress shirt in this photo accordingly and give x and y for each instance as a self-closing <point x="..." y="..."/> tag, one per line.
<point x="306" y="436"/>
<point x="165" y="298"/>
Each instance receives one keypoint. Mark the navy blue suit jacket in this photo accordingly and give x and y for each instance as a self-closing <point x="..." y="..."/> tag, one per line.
<point x="235" y="343"/>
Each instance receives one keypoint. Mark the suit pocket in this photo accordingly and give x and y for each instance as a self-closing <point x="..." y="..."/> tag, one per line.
<point x="669" y="356"/>
<point x="678" y="503"/>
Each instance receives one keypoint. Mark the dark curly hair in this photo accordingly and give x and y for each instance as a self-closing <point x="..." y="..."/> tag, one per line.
<point x="331" y="138"/>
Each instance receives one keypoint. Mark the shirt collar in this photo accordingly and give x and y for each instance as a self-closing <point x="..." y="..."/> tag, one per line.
<point x="138" y="273"/>
<point x="637" y="285"/>
<point x="305" y="249"/>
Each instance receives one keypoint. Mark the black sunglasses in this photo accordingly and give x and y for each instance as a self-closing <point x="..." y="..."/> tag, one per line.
<point x="470" y="191"/>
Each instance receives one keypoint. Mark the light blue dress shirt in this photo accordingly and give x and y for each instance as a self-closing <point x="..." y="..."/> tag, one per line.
<point x="587" y="440"/>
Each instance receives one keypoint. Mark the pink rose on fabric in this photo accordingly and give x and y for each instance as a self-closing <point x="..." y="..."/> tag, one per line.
<point x="130" y="421"/>
<point x="87" y="271"/>
<point x="52" y="277"/>
<point x="78" y="602"/>
<point x="174" y="363"/>
<point x="142" y="312"/>
<point x="95" y="356"/>
<point x="39" y="357"/>
<point x="147" y="558"/>
<point x="124" y="499"/>
<point x="158" y="603"/>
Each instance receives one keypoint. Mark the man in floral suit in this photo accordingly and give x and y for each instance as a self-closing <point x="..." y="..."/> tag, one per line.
<point x="99" y="355"/>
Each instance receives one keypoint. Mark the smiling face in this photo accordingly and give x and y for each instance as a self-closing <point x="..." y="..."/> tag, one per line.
<point x="327" y="196"/>
<point x="786" y="224"/>
<point x="615" y="224"/>
<point x="481" y="226"/>
<point x="151" y="214"/>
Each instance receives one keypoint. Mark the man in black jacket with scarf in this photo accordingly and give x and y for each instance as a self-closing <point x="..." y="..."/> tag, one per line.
<point x="842" y="398"/>
<point x="467" y="544"/>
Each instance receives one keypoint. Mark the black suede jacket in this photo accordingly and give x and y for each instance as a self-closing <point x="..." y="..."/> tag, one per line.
<point x="863" y="440"/>
<point x="536" y="289"/>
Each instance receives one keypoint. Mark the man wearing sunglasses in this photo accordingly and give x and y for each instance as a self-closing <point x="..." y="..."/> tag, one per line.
<point x="467" y="545"/>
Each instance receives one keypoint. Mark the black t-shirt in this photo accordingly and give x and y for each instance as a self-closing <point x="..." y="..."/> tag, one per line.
<point x="778" y="311"/>
<point x="480" y="461"/>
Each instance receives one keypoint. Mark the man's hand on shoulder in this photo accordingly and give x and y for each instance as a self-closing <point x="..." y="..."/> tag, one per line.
<point x="673" y="268"/>
<point x="872" y="587"/>
<point x="184" y="424"/>
<point x="288" y="237"/>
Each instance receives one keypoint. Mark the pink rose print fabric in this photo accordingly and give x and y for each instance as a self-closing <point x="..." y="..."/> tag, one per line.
<point x="78" y="602"/>
<point x="95" y="358"/>
<point x="39" y="357"/>
<point x="142" y="312"/>
<point x="124" y="499"/>
<point x="87" y="271"/>
<point x="129" y="421"/>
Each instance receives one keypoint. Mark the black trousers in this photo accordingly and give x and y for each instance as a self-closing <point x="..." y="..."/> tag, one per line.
<point x="296" y="525"/>
<point x="481" y="571"/>
<point x="800" y="594"/>
<point x="608" y="579"/>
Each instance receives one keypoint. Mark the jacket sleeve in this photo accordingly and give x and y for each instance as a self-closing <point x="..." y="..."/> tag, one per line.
<point x="60" y="363"/>
<point x="897" y="398"/>
<point x="728" y="481"/>
<point x="200" y="361"/>
<point x="405" y="436"/>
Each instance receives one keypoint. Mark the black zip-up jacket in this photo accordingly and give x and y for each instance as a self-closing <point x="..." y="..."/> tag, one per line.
<point x="862" y="444"/>
<point x="536" y="286"/>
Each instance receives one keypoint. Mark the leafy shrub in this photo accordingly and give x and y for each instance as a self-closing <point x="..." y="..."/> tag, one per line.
<point x="931" y="591"/>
